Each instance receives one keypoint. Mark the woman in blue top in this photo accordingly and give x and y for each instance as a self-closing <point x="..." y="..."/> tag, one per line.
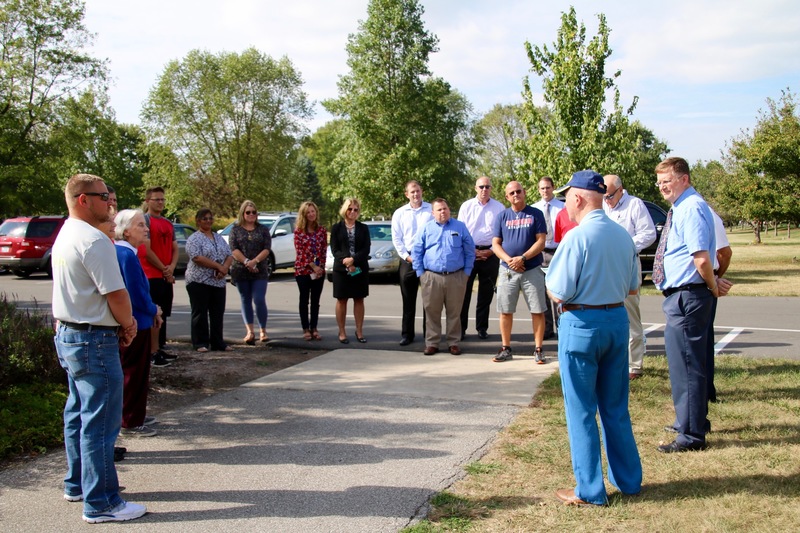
<point x="131" y="232"/>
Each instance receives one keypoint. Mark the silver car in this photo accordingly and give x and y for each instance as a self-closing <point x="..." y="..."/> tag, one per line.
<point x="281" y="227"/>
<point x="383" y="258"/>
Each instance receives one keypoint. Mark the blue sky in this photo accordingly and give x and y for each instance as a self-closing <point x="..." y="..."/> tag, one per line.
<point x="702" y="69"/>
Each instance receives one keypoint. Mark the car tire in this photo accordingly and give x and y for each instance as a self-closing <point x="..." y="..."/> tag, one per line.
<point x="48" y="269"/>
<point x="329" y="277"/>
<point x="270" y="265"/>
<point x="21" y="273"/>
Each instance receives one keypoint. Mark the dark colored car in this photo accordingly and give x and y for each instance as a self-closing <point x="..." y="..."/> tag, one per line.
<point x="647" y="255"/>
<point x="26" y="242"/>
<point x="182" y="232"/>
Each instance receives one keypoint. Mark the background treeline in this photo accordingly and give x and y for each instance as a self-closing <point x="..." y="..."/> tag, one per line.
<point x="219" y="127"/>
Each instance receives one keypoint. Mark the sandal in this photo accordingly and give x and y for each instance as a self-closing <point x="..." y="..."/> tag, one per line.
<point x="306" y="334"/>
<point x="264" y="338"/>
<point x="250" y="339"/>
<point x="316" y="335"/>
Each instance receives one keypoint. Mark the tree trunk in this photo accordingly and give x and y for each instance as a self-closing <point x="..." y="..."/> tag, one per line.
<point x="788" y="230"/>
<point x="757" y="231"/>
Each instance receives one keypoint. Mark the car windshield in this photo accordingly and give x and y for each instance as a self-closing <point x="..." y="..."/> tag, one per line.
<point x="12" y="228"/>
<point x="382" y="232"/>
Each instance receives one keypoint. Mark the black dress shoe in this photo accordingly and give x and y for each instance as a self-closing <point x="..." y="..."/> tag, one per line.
<point x="405" y="341"/>
<point x="482" y="335"/>
<point x="674" y="447"/>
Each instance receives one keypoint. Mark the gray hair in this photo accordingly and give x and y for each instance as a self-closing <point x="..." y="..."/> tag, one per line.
<point x="123" y="221"/>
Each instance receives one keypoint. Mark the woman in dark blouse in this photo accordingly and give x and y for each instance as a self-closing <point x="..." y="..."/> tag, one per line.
<point x="311" y="245"/>
<point x="250" y="243"/>
<point x="350" y="245"/>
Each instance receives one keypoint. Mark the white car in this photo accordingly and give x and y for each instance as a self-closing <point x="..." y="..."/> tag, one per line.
<point x="383" y="258"/>
<point x="281" y="228"/>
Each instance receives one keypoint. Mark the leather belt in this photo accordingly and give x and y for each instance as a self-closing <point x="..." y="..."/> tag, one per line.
<point x="483" y="247"/>
<point x="82" y="326"/>
<point x="689" y="287"/>
<point x="581" y="307"/>
<point x="446" y="273"/>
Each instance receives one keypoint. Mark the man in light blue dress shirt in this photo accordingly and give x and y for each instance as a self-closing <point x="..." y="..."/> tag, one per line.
<point x="593" y="270"/>
<point x="443" y="256"/>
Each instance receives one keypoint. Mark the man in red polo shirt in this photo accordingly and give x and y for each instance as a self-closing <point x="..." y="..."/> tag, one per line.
<point x="159" y="256"/>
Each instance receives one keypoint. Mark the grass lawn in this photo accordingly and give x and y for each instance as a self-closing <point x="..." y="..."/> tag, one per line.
<point x="747" y="480"/>
<point x="771" y="268"/>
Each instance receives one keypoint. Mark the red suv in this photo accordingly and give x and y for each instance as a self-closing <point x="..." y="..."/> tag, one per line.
<point x="25" y="244"/>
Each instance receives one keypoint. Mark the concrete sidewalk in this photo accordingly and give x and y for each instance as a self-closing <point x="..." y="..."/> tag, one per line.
<point x="353" y="440"/>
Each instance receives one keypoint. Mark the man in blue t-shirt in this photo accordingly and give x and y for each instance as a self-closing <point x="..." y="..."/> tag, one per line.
<point x="519" y="238"/>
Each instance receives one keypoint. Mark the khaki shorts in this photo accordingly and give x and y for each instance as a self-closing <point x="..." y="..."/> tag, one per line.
<point x="530" y="283"/>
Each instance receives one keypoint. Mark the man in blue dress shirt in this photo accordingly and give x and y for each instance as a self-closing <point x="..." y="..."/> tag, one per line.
<point x="443" y="256"/>
<point x="593" y="270"/>
<point x="683" y="271"/>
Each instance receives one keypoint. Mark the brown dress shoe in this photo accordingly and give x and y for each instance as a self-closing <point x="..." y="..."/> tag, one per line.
<point x="568" y="497"/>
<point x="632" y="376"/>
<point x="430" y="350"/>
<point x="455" y="350"/>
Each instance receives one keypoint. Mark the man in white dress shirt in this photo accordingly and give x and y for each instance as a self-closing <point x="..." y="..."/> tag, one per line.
<point x="478" y="215"/>
<point x="550" y="206"/>
<point x="631" y="213"/>
<point x="406" y="222"/>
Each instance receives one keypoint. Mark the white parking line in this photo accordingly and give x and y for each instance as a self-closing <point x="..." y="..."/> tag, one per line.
<point x="724" y="341"/>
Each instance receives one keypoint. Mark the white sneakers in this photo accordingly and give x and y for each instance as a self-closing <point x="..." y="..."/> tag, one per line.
<point x="126" y="511"/>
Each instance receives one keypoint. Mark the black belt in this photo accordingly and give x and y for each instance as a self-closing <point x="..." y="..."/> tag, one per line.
<point x="550" y="250"/>
<point x="446" y="273"/>
<point x="483" y="247"/>
<point x="689" y="287"/>
<point x="82" y="326"/>
<point x="581" y="307"/>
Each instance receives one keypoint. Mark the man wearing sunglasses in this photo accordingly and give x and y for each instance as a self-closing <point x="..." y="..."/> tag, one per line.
<point x="518" y="240"/>
<point x="478" y="215"/>
<point x="631" y="213"/>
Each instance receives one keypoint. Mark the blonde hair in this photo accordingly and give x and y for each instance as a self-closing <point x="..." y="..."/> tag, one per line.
<point x="349" y="202"/>
<point x="242" y="209"/>
<point x="302" y="221"/>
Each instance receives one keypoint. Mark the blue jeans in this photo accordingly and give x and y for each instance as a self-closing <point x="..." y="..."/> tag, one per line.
<point x="253" y="291"/>
<point x="92" y="415"/>
<point x="593" y="361"/>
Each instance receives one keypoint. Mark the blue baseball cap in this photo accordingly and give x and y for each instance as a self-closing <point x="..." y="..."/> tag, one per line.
<point x="585" y="179"/>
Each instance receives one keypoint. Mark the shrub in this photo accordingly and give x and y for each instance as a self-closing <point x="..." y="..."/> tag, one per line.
<point x="27" y="352"/>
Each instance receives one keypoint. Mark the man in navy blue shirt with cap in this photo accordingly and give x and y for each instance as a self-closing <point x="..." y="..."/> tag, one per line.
<point x="593" y="270"/>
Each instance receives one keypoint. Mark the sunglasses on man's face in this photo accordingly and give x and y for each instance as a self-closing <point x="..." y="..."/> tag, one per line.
<point x="102" y="195"/>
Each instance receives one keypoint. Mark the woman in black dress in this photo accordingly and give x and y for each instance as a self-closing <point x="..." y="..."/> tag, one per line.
<point x="350" y="245"/>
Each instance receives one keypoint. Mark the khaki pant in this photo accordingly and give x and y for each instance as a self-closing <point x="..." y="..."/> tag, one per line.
<point x="440" y="290"/>
<point x="636" y="343"/>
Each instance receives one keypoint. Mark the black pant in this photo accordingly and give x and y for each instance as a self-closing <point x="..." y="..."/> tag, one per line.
<point x="313" y="289"/>
<point x="208" y="307"/>
<point x="486" y="272"/>
<point x="409" y="287"/>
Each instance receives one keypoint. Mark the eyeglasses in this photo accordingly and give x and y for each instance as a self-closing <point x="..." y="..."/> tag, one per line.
<point x="659" y="184"/>
<point x="514" y="193"/>
<point x="612" y="195"/>
<point x="102" y="195"/>
<point x="545" y="188"/>
<point x="207" y="219"/>
<point x="157" y="200"/>
<point x="482" y="187"/>
<point x="251" y="212"/>
<point x="353" y="209"/>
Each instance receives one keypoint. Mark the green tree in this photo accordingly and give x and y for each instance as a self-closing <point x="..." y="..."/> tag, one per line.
<point x="400" y="123"/>
<point x="43" y="59"/>
<point x="765" y="167"/>
<point x="578" y="132"/>
<point x="495" y="134"/>
<point x="233" y="122"/>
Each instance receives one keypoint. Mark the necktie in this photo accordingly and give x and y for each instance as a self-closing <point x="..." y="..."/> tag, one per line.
<point x="549" y="223"/>
<point x="658" y="262"/>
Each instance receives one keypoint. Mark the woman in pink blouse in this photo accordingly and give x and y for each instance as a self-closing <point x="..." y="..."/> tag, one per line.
<point x="311" y="245"/>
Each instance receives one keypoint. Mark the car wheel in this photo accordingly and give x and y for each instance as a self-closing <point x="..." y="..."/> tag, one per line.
<point x="270" y="265"/>
<point x="21" y="273"/>
<point x="330" y="277"/>
<point x="49" y="269"/>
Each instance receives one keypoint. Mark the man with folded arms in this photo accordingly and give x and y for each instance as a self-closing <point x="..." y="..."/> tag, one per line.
<point x="590" y="275"/>
<point x="443" y="255"/>
<point x="94" y="316"/>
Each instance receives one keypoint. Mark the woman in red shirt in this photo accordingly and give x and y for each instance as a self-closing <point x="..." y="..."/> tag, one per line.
<point x="311" y="245"/>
